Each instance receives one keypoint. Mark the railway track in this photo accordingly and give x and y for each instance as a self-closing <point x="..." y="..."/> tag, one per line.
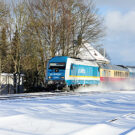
<point x="43" y="94"/>
<point x="51" y="94"/>
<point x="34" y="95"/>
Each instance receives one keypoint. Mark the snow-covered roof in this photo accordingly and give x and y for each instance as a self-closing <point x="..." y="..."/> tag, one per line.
<point x="88" y="52"/>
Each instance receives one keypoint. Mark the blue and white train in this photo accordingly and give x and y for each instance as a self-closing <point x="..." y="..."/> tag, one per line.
<point x="63" y="71"/>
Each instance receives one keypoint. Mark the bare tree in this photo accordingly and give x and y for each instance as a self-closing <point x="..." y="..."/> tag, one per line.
<point x="4" y="12"/>
<point x="43" y="24"/>
<point x="16" y="30"/>
<point x="88" y="26"/>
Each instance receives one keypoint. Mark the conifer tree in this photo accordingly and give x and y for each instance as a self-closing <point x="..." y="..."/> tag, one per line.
<point x="3" y="50"/>
<point x="15" y="51"/>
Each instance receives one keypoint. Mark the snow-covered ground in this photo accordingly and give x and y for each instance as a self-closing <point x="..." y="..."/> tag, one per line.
<point x="92" y="113"/>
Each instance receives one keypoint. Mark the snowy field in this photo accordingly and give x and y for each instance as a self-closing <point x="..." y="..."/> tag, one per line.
<point x="91" y="113"/>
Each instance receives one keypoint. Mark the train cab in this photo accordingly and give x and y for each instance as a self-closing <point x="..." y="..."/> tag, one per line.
<point x="56" y="71"/>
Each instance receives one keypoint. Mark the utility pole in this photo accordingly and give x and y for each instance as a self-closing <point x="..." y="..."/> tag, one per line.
<point x="104" y="52"/>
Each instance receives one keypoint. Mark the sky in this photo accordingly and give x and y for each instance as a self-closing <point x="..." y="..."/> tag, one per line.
<point x="119" y="20"/>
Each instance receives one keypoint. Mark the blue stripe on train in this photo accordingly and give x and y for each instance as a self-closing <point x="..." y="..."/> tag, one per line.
<point x="73" y="82"/>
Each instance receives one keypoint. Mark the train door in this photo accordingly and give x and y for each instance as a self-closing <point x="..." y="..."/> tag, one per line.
<point x="73" y="73"/>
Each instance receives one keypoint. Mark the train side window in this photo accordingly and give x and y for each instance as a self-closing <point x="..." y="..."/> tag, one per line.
<point x="118" y="74"/>
<point x="109" y="73"/>
<point x="126" y="74"/>
<point x="104" y="73"/>
<point x="71" y="66"/>
<point x="115" y="73"/>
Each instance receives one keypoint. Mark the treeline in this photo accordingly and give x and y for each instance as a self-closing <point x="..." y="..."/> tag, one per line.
<point x="33" y="31"/>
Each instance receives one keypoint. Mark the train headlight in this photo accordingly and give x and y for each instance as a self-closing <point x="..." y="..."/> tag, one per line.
<point x="49" y="77"/>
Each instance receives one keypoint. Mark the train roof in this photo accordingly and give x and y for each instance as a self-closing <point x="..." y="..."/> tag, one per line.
<point x="113" y="67"/>
<point x="73" y="60"/>
<point x="58" y="59"/>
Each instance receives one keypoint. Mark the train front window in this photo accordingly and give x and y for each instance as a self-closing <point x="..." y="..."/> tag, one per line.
<point x="57" y="65"/>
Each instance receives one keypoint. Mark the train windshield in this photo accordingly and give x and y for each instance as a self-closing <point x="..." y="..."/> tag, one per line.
<point x="57" y="65"/>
